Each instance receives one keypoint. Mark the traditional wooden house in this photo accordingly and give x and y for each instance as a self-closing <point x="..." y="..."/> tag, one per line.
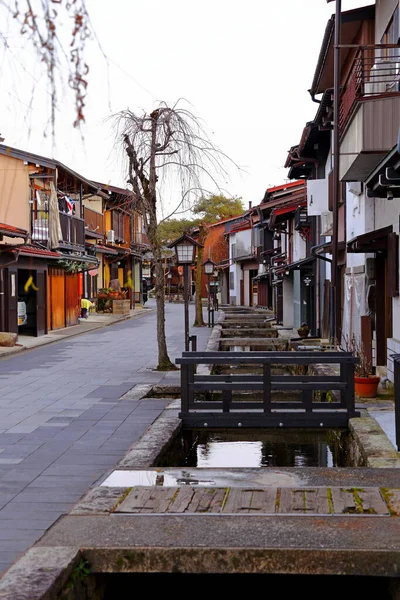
<point x="286" y="278"/>
<point x="367" y="221"/>
<point x="124" y="241"/>
<point x="41" y="259"/>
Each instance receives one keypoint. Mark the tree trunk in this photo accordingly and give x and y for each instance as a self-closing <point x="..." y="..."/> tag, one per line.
<point x="164" y="363"/>
<point x="198" y="320"/>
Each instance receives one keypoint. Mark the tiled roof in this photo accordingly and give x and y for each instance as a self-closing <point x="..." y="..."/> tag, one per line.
<point x="11" y="231"/>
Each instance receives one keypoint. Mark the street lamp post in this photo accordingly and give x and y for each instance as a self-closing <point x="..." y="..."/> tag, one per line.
<point x="185" y="248"/>
<point x="208" y="266"/>
<point x="215" y="289"/>
<point x="169" y="277"/>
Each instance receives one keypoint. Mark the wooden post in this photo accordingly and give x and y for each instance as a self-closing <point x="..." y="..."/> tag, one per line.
<point x="396" y="362"/>
<point x="267" y="387"/>
<point x="226" y="400"/>
<point x="184" y="389"/>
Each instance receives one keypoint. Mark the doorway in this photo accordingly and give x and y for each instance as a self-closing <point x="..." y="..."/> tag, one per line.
<point x="31" y="302"/>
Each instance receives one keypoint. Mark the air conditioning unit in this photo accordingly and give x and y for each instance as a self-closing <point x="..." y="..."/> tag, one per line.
<point x="111" y="235"/>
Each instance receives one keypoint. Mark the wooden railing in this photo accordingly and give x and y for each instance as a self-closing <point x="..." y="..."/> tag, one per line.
<point x="140" y="238"/>
<point x="375" y="72"/>
<point x="94" y="221"/>
<point x="73" y="230"/>
<point x="396" y="365"/>
<point x="307" y="411"/>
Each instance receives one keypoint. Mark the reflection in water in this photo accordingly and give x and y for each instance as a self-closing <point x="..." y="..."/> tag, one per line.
<point x="264" y="448"/>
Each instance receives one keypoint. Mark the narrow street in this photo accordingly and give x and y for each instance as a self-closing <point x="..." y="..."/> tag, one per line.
<point x="62" y="423"/>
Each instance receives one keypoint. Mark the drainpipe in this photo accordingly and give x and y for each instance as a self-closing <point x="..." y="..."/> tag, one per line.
<point x="314" y="249"/>
<point x="313" y="98"/>
<point x="336" y="173"/>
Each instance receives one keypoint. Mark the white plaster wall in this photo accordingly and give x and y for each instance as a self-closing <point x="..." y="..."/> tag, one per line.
<point x="299" y="247"/>
<point x="359" y="219"/>
<point x="243" y="242"/>
<point x="94" y="203"/>
<point x="317" y="196"/>
<point x="288" y="313"/>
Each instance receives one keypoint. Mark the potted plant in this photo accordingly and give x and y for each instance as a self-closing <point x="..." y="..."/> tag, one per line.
<point x="365" y="381"/>
<point x="303" y="330"/>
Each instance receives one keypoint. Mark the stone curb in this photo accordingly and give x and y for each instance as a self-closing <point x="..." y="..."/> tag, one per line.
<point x="40" y="574"/>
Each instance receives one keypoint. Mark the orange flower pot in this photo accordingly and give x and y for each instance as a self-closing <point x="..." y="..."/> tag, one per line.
<point x="366" y="387"/>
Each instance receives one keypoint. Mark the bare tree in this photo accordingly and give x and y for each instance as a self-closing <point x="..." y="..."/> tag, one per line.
<point x="38" y="21"/>
<point x="169" y="142"/>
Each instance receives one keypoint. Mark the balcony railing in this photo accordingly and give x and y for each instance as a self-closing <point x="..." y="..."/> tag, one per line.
<point x="40" y="226"/>
<point x="94" y="221"/>
<point x="72" y="228"/>
<point x="140" y="237"/>
<point x="375" y="73"/>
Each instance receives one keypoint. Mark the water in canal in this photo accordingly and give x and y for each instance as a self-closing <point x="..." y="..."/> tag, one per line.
<point x="258" y="448"/>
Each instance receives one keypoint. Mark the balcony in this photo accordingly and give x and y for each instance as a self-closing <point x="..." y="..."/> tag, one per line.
<point x="72" y="229"/>
<point x="369" y="110"/>
<point x="94" y="224"/>
<point x="241" y="253"/>
<point x="140" y="238"/>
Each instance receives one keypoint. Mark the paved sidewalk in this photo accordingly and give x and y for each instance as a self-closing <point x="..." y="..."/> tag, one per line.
<point x="95" y="321"/>
<point x="62" y="423"/>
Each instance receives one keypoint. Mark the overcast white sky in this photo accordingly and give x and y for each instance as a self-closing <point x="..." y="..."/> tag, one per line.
<point x="245" y="67"/>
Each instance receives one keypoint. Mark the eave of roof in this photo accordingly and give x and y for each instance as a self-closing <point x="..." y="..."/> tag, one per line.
<point x="299" y="196"/>
<point x="283" y="186"/>
<point x="351" y="20"/>
<point x="114" y="188"/>
<point x="11" y="231"/>
<point x="31" y="251"/>
<point x="49" y="163"/>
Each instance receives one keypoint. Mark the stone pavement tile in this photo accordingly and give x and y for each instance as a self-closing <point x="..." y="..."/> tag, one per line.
<point x="29" y="536"/>
<point x="10" y="438"/>
<point x="71" y="413"/>
<point x="20" y="474"/>
<point x="10" y="461"/>
<point x="25" y="524"/>
<point x="23" y="429"/>
<point x="78" y="484"/>
<point x="18" y="545"/>
<point x="52" y="495"/>
<point x="77" y="470"/>
<point x="19" y="450"/>
<point x="6" y="497"/>
<point x="85" y="459"/>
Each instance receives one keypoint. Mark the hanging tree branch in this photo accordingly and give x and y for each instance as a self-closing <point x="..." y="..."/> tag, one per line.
<point x="149" y="140"/>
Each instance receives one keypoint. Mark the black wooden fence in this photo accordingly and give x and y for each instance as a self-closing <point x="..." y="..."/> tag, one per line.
<point x="396" y="363"/>
<point x="200" y="409"/>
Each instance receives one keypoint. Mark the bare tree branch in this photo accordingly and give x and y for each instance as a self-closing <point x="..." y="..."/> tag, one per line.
<point x="149" y="141"/>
